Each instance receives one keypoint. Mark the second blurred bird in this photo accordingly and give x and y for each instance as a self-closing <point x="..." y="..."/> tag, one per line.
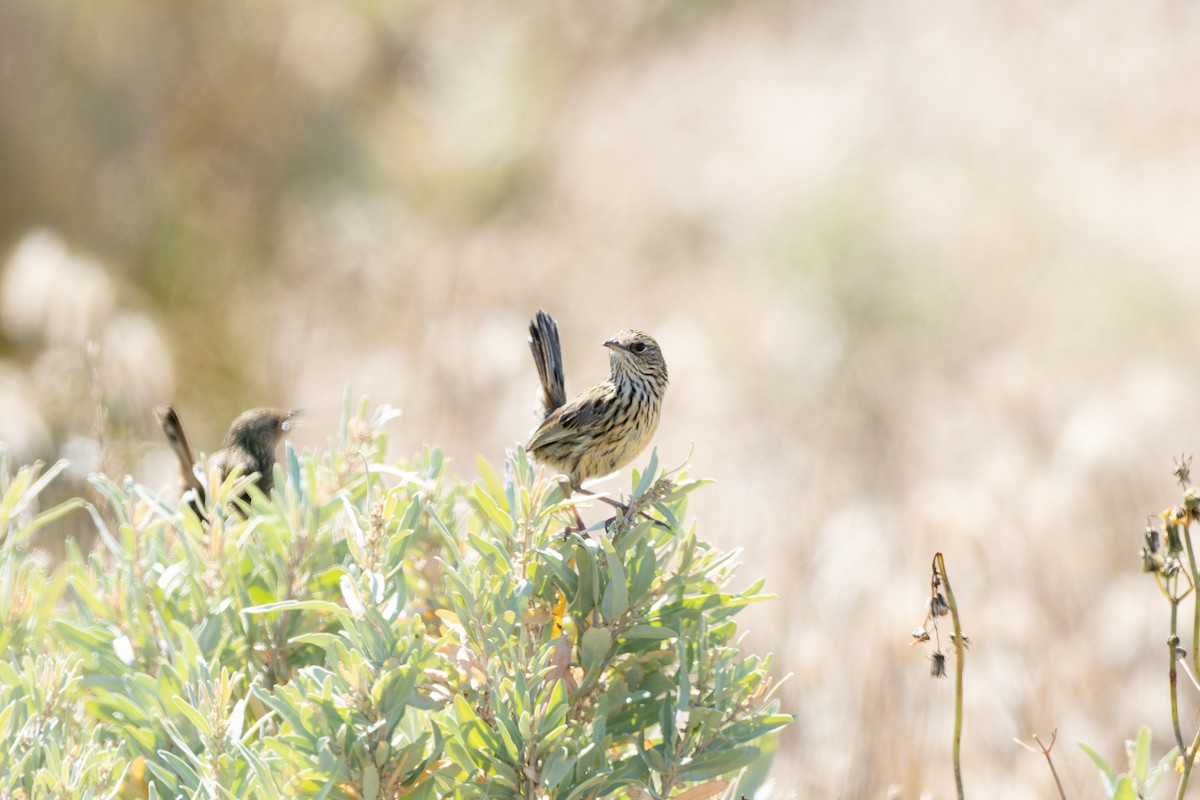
<point x="250" y="445"/>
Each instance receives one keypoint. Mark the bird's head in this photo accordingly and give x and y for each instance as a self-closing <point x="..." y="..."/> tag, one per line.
<point x="260" y="429"/>
<point x="636" y="355"/>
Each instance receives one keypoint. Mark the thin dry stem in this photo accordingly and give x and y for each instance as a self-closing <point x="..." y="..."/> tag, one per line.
<point x="1045" y="749"/>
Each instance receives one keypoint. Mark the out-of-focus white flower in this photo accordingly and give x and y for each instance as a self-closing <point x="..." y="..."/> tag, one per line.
<point x="135" y="365"/>
<point x="21" y="424"/>
<point x="50" y="294"/>
<point x="84" y="454"/>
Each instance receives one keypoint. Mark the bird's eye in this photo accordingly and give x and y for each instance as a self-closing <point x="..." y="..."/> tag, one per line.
<point x="639" y="347"/>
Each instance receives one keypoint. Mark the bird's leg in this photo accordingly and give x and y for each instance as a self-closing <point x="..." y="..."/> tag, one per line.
<point x="624" y="509"/>
<point x="617" y="504"/>
<point x="602" y="498"/>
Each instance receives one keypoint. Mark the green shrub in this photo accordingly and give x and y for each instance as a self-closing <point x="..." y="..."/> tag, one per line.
<point x="377" y="631"/>
<point x="1139" y="782"/>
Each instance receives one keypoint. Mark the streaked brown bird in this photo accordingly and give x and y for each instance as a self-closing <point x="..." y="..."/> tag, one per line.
<point x="250" y="444"/>
<point x="603" y="428"/>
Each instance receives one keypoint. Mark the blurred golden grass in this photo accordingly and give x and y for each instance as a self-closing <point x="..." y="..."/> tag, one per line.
<point x="924" y="276"/>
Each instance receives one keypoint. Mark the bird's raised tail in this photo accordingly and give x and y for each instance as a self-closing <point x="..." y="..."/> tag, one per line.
<point x="547" y="355"/>
<point x="173" y="428"/>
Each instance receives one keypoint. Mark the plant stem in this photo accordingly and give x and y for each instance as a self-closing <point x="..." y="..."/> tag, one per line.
<point x="1187" y="541"/>
<point x="959" y="650"/>
<point x="1057" y="782"/>
<point x="1173" y="673"/>
<point x="1045" y="751"/>
<point x="1189" y="757"/>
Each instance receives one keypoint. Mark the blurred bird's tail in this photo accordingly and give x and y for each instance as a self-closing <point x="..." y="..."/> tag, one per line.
<point x="547" y="355"/>
<point x="173" y="428"/>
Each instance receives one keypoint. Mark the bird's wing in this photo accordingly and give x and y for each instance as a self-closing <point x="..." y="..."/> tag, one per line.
<point x="227" y="458"/>
<point x="581" y="416"/>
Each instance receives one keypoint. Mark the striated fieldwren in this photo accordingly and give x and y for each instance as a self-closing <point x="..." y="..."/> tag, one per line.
<point x="603" y="428"/>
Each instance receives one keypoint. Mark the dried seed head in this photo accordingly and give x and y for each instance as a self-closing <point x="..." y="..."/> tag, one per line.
<point x="937" y="665"/>
<point x="938" y="606"/>
<point x="1183" y="469"/>
<point x="1153" y="541"/>
<point x="1152" y="557"/>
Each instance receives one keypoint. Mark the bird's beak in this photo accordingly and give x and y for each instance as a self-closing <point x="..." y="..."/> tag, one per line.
<point x="613" y="344"/>
<point x="289" y="419"/>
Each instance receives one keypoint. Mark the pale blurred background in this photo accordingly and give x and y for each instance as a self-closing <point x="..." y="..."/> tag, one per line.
<point x="925" y="275"/>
